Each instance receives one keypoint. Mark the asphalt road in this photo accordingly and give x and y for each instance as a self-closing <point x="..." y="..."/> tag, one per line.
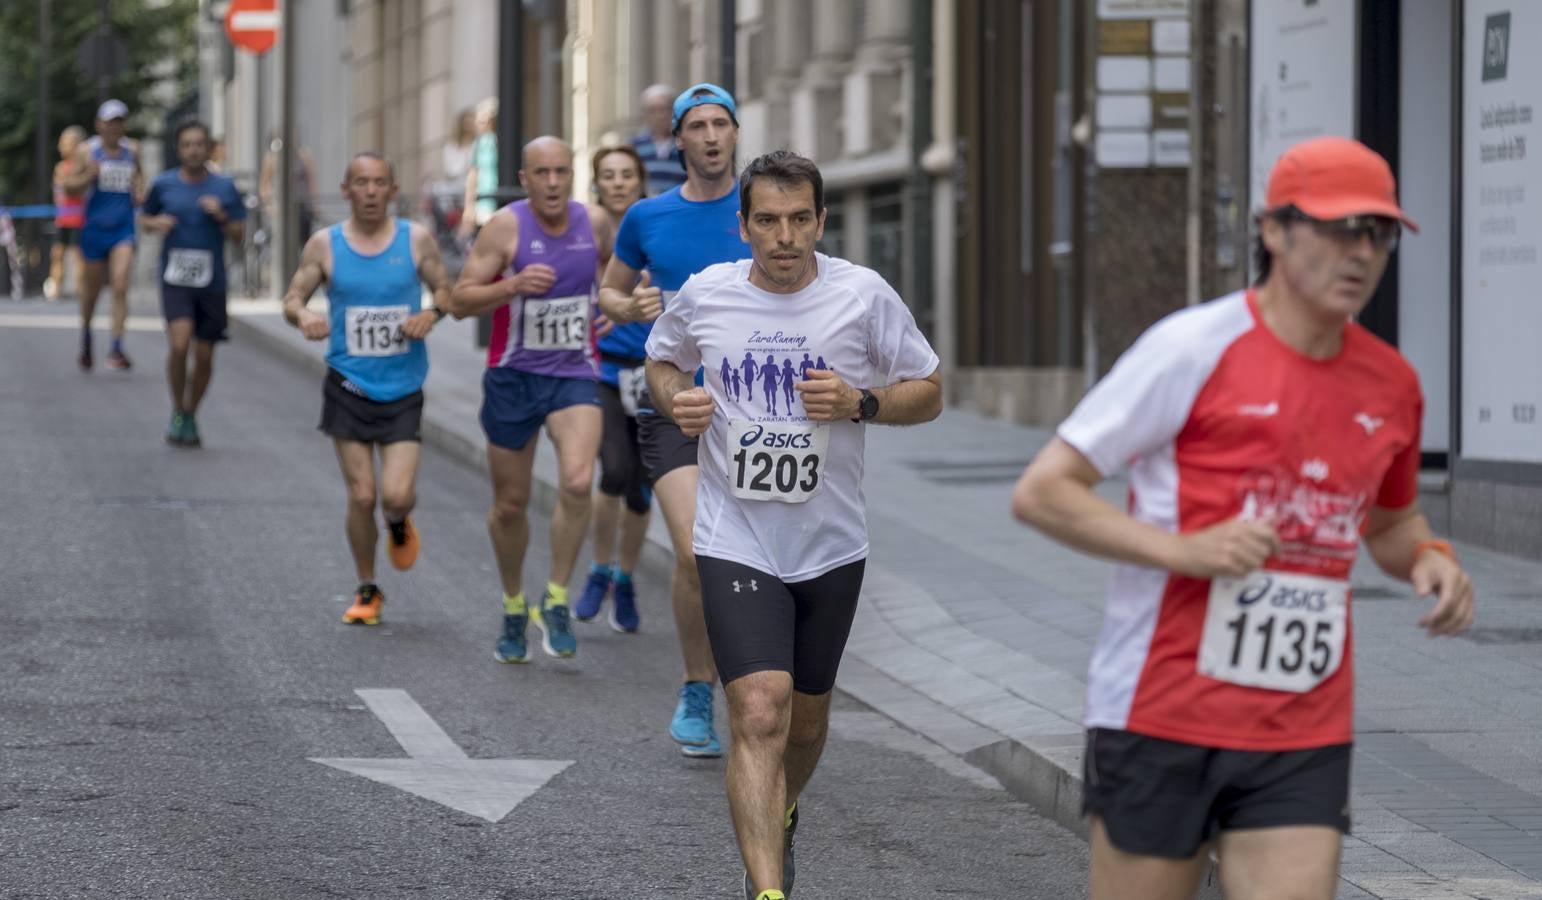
<point x="171" y="661"/>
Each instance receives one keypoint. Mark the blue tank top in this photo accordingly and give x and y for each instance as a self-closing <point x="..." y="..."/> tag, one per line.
<point x="110" y="205"/>
<point x="371" y="297"/>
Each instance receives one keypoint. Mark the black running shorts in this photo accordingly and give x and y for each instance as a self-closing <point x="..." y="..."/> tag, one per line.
<point x="758" y="623"/>
<point x="1163" y="798"/>
<point x="348" y="415"/>
<point x="621" y="467"/>
<point x="665" y="447"/>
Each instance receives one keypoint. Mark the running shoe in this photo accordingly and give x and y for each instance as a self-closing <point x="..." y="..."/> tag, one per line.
<point x="692" y="724"/>
<point x="623" y="612"/>
<point x="768" y="894"/>
<point x="116" y="360"/>
<point x="557" y="637"/>
<point x="403" y="554"/>
<point x="366" y="606"/>
<point x="190" y="436"/>
<point x="593" y="597"/>
<point x="176" y="428"/>
<point x="710" y="750"/>
<point x="511" y="647"/>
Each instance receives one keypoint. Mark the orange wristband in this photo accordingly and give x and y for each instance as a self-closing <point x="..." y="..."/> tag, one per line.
<point x="1438" y="546"/>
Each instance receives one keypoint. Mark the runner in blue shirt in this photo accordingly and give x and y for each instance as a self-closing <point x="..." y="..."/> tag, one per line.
<point x="662" y="242"/>
<point x="375" y="267"/>
<point x="107" y="167"/>
<point x="197" y="211"/>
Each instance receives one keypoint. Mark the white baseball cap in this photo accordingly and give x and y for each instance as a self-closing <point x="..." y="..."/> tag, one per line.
<point x="112" y="109"/>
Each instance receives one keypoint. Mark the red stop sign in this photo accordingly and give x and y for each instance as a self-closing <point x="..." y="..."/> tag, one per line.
<point x="252" y="24"/>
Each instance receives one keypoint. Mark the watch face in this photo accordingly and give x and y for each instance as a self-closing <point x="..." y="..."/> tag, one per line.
<point x="869" y="405"/>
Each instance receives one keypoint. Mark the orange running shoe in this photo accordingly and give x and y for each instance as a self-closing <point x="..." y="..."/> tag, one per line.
<point x="366" y="606"/>
<point x="403" y="555"/>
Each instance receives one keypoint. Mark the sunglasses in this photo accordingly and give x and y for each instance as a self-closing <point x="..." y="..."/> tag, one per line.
<point x="1383" y="231"/>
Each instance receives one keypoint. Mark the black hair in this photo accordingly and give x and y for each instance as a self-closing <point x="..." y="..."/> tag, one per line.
<point x="786" y="168"/>
<point x="186" y="125"/>
<point x="1263" y="260"/>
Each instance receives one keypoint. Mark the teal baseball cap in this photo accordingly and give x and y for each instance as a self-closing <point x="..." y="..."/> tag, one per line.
<point x="701" y="95"/>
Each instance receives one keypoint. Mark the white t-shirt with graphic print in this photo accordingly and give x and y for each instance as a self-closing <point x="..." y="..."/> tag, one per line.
<point x="780" y="493"/>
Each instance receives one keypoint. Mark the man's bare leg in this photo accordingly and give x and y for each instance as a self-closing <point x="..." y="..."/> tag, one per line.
<point x="575" y="432"/>
<point x="607" y="519"/>
<point x="179" y="338"/>
<point x="203" y="373"/>
<point x="357" y="460"/>
<point x="507" y="523"/>
<point x="1288" y="863"/>
<point x="677" y="498"/>
<point x="1113" y="871"/>
<point x="759" y="714"/>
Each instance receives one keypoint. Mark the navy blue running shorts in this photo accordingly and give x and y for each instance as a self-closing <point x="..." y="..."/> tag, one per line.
<point x="516" y="403"/>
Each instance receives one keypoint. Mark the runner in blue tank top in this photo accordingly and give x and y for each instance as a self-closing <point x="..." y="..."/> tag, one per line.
<point x="375" y="267"/>
<point x="108" y="167"/>
<point x="198" y="211"/>
<point x="546" y="253"/>
<point x="665" y="240"/>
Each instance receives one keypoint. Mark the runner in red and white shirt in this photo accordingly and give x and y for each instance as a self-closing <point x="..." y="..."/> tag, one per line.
<point x="1266" y="435"/>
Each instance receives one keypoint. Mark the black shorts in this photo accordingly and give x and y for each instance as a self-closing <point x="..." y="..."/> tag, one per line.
<point x="67" y="237"/>
<point x="1168" y="799"/>
<point x="758" y="623"/>
<point x="621" y="467"/>
<point x="204" y="306"/>
<point x="665" y="447"/>
<point x="348" y="415"/>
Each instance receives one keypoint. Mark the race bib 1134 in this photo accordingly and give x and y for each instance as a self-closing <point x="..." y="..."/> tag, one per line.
<point x="375" y="330"/>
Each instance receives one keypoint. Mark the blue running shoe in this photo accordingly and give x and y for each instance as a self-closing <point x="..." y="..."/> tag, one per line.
<point x="710" y="750"/>
<point x="511" y="647"/>
<point x="623" y="613"/>
<point x="557" y="637"/>
<point x="692" y="724"/>
<point x="593" y="597"/>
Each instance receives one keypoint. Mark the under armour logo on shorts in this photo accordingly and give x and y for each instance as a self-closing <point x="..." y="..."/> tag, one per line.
<point x="753" y="586"/>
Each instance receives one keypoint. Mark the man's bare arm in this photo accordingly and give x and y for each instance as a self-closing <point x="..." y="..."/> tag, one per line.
<point x="476" y="292"/>
<point x="665" y="380"/>
<point x="308" y="277"/>
<point x="83" y="172"/>
<point x="431" y="266"/>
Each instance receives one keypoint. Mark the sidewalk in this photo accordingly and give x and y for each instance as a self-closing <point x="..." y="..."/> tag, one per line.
<point x="975" y="633"/>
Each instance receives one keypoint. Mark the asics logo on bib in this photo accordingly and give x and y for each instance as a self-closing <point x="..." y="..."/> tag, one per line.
<point x="372" y="317"/>
<point x="757" y="435"/>
<point x="1283" y="596"/>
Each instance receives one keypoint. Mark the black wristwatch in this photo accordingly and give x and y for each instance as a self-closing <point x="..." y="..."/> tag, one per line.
<point x="867" y="407"/>
<point x="439" y="312"/>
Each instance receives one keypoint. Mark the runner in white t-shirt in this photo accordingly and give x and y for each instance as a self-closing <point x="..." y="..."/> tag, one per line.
<point x="1267" y="435"/>
<point x="781" y="534"/>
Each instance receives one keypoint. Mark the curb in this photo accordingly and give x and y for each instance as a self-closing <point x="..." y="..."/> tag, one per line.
<point x="1051" y="788"/>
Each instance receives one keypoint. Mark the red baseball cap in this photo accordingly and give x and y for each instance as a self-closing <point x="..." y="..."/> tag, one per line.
<point x="1334" y="177"/>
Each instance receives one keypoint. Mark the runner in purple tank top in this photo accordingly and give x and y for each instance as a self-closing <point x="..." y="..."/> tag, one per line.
<point x="535" y="266"/>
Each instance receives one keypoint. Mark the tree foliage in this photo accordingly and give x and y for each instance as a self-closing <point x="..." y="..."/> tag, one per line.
<point x="155" y="33"/>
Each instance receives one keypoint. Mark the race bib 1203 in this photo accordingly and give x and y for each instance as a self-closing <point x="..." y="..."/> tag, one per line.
<point x="776" y="461"/>
<point x="1275" y="630"/>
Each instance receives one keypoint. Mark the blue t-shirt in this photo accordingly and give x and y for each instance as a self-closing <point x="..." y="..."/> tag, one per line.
<point x="196" y="229"/>
<point x="673" y="238"/>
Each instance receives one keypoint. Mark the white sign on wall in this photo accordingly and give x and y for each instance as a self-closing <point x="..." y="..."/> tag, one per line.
<point x="1303" y="78"/>
<point x="1501" y="230"/>
<point x="1142" y="9"/>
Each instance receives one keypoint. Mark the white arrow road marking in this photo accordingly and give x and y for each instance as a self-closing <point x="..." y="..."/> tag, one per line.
<point x="439" y="770"/>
